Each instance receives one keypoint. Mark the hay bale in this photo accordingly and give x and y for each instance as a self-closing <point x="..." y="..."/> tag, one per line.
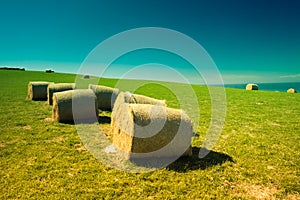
<point x="106" y="96"/>
<point x="86" y="76"/>
<point x="148" y="131"/>
<point x="141" y="99"/>
<point x="38" y="90"/>
<point x="58" y="87"/>
<point x="12" y="68"/>
<point x="127" y="97"/>
<point x="49" y="71"/>
<point x="291" y="90"/>
<point x="79" y="106"/>
<point x="251" y="87"/>
<point x="119" y="103"/>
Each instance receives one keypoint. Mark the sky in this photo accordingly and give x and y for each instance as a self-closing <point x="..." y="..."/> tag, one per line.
<point x="249" y="41"/>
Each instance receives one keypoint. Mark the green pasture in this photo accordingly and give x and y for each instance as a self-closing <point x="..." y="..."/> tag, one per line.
<point x="256" y="156"/>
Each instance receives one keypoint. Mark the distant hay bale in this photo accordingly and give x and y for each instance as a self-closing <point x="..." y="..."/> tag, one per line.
<point x="86" y="76"/>
<point x="291" y="90"/>
<point x="252" y="87"/>
<point x="144" y="131"/>
<point x="58" y="87"/>
<point x="13" y="68"/>
<point x="106" y="96"/>
<point x="78" y="106"/>
<point x="38" y="90"/>
<point x="49" y="71"/>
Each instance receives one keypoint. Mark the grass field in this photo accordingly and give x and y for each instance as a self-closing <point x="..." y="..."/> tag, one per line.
<point x="256" y="156"/>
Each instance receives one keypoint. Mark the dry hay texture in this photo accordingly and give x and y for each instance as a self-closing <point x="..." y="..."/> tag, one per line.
<point x="38" y="90"/>
<point x="127" y="97"/>
<point x="106" y="96"/>
<point x="291" y="90"/>
<point x="141" y="99"/>
<point x="79" y="106"/>
<point x="58" y="87"/>
<point x="144" y="130"/>
<point x="252" y="87"/>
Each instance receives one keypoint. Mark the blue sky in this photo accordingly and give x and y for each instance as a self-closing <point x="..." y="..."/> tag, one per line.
<point x="250" y="41"/>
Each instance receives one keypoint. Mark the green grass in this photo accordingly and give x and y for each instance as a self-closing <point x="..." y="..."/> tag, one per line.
<point x="256" y="156"/>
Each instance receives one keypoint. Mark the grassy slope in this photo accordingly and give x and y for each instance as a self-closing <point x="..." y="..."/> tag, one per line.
<point x="257" y="155"/>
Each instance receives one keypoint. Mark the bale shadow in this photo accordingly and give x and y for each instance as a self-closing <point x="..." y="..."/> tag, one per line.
<point x="104" y="120"/>
<point x="213" y="158"/>
<point x="184" y="164"/>
<point x="79" y="121"/>
<point x="101" y="120"/>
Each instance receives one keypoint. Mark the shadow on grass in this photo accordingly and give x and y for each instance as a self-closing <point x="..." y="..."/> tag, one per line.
<point x="104" y="120"/>
<point x="184" y="164"/>
<point x="101" y="120"/>
<point x="194" y="162"/>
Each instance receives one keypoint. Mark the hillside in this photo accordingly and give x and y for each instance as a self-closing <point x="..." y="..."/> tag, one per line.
<point x="256" y="156"/>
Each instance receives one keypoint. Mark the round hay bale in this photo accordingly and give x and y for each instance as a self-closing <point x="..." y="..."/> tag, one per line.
<point x="127" y="97"/>
<point x="106" y="96"/>
<point x="144" y="130"/>
<point x="291" y="90"/>
<point x="86" y="76"/>
<point x="121" y="100"/>
<point x="58" y="87"/>
<point x="79" y="106"/>
<point x="141" y="99"/>
<point x="38" y="90"/>
<point x="251" y="86"/>
<point x="49" y="71"/>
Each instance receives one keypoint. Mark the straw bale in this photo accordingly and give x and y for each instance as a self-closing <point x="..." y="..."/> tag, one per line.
<point x="58" y="87"/>
<point x="86" y="76"/>
<point x="252" y="86"/>
<point x="141" y="99"/>
<point x="78" y="106"/>
<point x="127" y="97"/>
<point x="106" y="96"/>
<point x="49" y="71"/>
<point x="144" y="130"/>
<point x="12" y="68"/>
<point x="38" y="90"/>
<point x="291" y="90"/>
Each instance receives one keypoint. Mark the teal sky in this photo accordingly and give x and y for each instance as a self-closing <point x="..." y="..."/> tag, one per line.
<point x="250" y="41"/>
